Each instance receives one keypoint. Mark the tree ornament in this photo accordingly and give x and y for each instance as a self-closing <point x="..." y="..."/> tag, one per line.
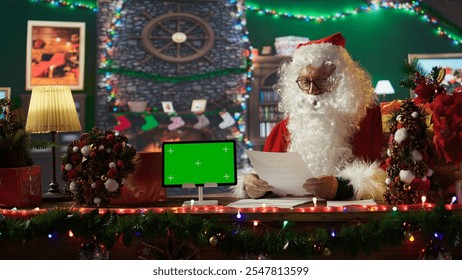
<point x="93" y="251"/>
<point x="213" y="241"/>
<point x="168" y="249"/>
<point x="434" y="251"/>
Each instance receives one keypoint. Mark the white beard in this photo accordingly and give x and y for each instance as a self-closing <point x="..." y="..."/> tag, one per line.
<point x="321" y="135"/>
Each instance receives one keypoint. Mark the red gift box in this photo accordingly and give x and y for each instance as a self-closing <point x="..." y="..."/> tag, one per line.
<point x="144" y="185"/>
<point x="20" y="186"/>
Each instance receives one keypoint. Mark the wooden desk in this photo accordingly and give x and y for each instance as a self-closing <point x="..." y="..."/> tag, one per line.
<point x="299" y="226"/>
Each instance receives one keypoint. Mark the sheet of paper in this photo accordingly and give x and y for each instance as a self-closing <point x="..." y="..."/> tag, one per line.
<point x="286" y="172"/>
<point x="338" y="203"/>
<point x="270" y="202"/>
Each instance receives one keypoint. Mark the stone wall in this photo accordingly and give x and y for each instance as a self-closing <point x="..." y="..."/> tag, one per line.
<point x="145" y="77"/>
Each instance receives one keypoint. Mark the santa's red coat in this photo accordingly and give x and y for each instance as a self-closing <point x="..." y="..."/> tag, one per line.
<point x="367" y="143"/>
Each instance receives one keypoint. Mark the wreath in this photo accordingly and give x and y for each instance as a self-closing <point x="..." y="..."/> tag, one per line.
<point x="95" y="167"/>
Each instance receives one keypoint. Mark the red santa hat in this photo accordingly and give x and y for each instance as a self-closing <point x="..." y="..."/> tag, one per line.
<point x="336" y="39"/>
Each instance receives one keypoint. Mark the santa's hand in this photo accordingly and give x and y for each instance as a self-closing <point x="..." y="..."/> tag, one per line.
<point x="323" y="187"/>
<point x="255" y="187"/>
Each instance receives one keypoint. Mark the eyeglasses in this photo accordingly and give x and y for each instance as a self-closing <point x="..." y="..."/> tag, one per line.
<point x="317" y="86"/>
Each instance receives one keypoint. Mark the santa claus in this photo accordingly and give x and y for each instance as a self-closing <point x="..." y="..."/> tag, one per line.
<point x="332" y="119"/>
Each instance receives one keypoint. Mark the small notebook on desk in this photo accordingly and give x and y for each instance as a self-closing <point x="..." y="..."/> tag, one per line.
<point x="338" y="203"/>
<point x="283" y="202"/>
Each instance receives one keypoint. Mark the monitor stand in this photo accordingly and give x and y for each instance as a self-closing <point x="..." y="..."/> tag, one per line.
<point x="200" y="190"/>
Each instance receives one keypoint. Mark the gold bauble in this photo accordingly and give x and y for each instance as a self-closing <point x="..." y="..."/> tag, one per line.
<point x="103" y="177"/>
<point x="407" y="187"/>
<point x="213" y="241"/>
<point x="401" y="119"/>
<point x="93" y="147"/>
<point x="327" y="252"/>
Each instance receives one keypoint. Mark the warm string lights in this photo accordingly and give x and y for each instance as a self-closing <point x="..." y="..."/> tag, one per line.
<point x="239" y="213"/>
<point x="245" y="231"/>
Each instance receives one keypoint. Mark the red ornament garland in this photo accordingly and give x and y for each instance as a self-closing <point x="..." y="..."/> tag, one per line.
<point x="95" y="166"/>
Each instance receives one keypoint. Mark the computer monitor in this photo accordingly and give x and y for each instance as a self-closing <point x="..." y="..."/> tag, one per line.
<point x="199" y="164"/>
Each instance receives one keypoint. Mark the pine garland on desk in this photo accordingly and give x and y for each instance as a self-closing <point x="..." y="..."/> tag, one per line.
<point x="440" y="227"/>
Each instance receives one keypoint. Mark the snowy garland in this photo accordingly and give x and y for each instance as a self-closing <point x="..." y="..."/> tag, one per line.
<point x="95" y="166"/>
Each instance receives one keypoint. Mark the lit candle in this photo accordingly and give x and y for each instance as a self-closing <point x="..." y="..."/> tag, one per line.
<point x="454" y="198"/>
<point x="424" y="198"/>
<point x="314" y="201"/>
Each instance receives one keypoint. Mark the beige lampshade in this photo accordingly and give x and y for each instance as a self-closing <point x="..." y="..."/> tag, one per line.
<point x="52" y="108"/>
<point x="384" y="87"/>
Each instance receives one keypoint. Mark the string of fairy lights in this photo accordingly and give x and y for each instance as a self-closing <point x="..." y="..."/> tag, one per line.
<point x="413" y="7"/>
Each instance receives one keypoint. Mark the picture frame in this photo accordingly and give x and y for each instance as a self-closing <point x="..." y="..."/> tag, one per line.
<point x="167" y="106"/>
<point x="55" y="54"/>
<point x="5" y="92"/>
<point x="198" y="105"/>
<point x="452" y="62"/>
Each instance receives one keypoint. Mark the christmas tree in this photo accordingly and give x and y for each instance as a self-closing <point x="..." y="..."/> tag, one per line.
<point x="409" y="159"/>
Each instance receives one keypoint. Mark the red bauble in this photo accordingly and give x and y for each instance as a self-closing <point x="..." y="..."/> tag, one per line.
<point x="120" y="163"/>
<point x="99" y="184"/>
<point x="112" y="173"/>
<point x="110" y="137"/>
<point x="71" y="175"/>
<point x="93" y="154"/>
<point x="117" y="148"/>
<point x="75" y="158"/>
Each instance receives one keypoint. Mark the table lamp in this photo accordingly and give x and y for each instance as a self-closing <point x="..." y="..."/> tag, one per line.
<point x="51" y="110"/>
<point x="384" y="87"/>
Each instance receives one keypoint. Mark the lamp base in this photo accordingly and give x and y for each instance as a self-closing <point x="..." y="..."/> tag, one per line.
<point x="55" y="197"/>
<point x="54" y="194"/>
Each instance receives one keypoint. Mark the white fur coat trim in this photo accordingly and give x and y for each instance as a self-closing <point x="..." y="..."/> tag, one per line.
<point x="367" y="179"/>
<point x="238" y="190"/>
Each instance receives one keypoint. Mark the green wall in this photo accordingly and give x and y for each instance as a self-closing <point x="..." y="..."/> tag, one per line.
<point x="380" y="40"/>
<point x="14" y="15"/>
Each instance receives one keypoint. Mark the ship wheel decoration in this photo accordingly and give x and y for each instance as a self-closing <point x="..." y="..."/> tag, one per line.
<point x="177" y="38"/>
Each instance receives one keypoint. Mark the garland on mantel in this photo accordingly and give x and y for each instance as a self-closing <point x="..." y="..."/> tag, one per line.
<point x="438" y="227"/>
<point x="170" y="79"/>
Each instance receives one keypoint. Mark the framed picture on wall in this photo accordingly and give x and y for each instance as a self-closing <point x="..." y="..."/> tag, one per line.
<point x="55" y="54"/>
<point x="452" y="62"/>
<point x="5" y="92"/>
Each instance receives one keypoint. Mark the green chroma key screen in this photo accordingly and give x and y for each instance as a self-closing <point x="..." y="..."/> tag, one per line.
<point x="199" y="163"/>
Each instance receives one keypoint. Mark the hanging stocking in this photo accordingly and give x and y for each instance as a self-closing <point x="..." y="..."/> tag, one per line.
<point x="203" y="121"/>
<point x="228" y="120"/>
<point x="151" y="123"/>
<point x="177" y="122"/>
<point x="122" y="123"/>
